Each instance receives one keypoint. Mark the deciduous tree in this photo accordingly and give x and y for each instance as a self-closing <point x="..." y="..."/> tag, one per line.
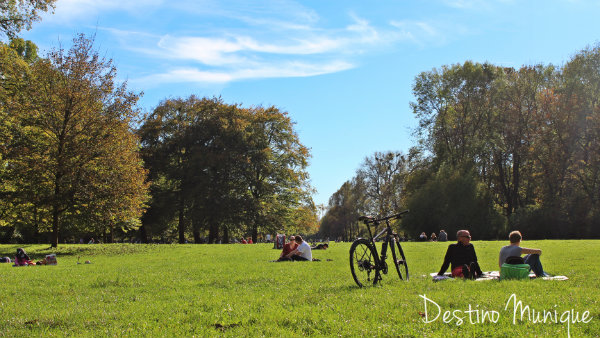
<point x="77" y="156"/>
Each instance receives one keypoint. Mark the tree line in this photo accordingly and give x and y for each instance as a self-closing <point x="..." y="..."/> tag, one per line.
<point x="196" y="169"/>
<point x="498" y="148"/>
<point x="80" y="160"/>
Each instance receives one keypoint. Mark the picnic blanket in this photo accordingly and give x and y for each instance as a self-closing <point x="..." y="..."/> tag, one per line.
<point x="491" y="275"/>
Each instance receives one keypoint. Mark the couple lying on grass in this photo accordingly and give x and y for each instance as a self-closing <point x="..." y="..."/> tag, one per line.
<point x="463" y="260"/>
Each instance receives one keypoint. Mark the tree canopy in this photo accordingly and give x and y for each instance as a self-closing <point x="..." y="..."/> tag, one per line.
<point x="72" y="155"/>
<point x="16" y="15"/>
<point x="498" y="149"/>
<point x="224" y="169"/>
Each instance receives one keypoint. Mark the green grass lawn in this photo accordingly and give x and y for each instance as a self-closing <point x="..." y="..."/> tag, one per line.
<point x="233" y="290"/>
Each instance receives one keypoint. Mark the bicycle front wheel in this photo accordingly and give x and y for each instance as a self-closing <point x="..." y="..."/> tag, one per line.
<point x="363" y="264"/>
<point x="400" y="261"/>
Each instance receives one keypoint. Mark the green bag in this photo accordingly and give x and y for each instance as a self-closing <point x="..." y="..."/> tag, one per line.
<point x="514" y="271"/>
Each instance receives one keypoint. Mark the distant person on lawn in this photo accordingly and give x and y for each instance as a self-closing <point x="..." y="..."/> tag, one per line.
<point x="443" y="236"/>
<point x="22" y="259"/>
<point x="462" y="258"/>
<point x="287" y="249"/>
<point x="302" y="252"/>
<point x="320" y="246"/>
<point x="511" y="253"/>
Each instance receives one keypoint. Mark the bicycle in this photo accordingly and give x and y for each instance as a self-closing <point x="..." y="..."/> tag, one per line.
<point x="366" y="266"/>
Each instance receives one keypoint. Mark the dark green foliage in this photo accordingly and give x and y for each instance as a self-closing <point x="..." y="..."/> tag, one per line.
<point x="530" y="135"/>
<point x="453" y="200"/>
<point x="499" y="149"/>
<point x="223" y="170"/>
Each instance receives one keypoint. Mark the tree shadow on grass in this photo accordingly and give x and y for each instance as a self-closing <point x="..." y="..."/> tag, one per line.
<point x="38" y="251"/>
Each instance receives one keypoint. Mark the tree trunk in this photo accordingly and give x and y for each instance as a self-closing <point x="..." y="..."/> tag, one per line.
<point x="255" y="233"/>
<point x="181" y="225"/>
<point x="143" y="234"/>
<point x="55" y="214"/>
<point x="516" y="181"/>
<point x="197" y="238"/>
<point x="55" y="208"/>
<point x="225" y="235"/>
<point x="196" y="227"/>
<point x="505" y="190"/>
<point x="213" y="232"/>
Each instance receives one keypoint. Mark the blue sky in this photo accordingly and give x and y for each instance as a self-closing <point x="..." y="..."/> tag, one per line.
<point x="343" y="70"/>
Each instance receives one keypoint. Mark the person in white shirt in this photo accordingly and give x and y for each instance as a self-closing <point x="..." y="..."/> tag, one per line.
<point x="302" y="252"/>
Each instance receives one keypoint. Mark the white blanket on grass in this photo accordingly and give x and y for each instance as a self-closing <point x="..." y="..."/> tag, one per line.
<point x="491" y="275"/>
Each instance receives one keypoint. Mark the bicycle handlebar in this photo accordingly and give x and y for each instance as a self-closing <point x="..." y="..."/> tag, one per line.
<point x="370" y="219"/>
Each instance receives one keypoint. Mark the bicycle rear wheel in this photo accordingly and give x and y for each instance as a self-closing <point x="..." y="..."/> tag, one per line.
<point x="400" y="261"/>
<point x="363" y="264"/>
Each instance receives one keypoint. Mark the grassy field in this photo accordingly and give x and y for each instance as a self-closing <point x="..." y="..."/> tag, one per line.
<point x="233" y="290"/>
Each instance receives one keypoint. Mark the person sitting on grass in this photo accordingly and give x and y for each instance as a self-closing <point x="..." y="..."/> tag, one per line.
<point x="287" y="249"/>
<point x="302" y="251"/>
<point x="22" y="259"/>
<point x="320" y="246"/>
<point x="462" y="258"/>
<point x="511" y="254"/>
<point x="443" y="236"/>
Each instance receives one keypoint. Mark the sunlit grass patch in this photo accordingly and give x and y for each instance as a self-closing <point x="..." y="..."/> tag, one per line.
<point x="234" y="290"/>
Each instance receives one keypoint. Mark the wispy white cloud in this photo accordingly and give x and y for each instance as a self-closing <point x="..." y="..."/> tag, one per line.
<point x="425" y="33"/>
<point x="286" y="69"/>
<point x="74" y="10"/>
<point x="485" y="5"/>
<point x="286" y="14"/>
<point x="463" y="4"/>
<point x="243" y="40"/>
<point x="231" y="56"/>
<point x="209" y="51"/>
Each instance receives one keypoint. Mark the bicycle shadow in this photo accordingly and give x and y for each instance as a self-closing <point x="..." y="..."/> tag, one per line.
<point x="352" y="287"/>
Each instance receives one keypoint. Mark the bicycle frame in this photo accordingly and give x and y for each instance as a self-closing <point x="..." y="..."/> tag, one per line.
<point x="366" y="264"/>
<point x="390" y="238"/>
